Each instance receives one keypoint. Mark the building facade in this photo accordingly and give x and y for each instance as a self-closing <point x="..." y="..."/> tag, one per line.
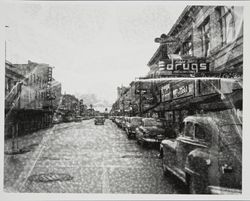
<point x="211" y="47"/>
<point x="33" y="92"/>
<point x="205" y="41"/>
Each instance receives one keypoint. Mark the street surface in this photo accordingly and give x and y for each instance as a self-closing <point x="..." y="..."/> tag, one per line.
<point x="85" y="158"/>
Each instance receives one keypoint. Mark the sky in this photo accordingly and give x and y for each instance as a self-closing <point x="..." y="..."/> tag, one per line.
<point x="94" y="46"/>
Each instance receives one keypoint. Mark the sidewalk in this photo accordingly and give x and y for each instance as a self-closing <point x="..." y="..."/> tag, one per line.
<point x="14" y="164"/>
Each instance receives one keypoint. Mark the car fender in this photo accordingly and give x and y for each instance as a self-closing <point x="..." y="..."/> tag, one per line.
<point x="168" y="144"/>
<point x="198" y="162"/>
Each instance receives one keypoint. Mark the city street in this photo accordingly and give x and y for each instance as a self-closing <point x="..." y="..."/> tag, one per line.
<point x="80" y="157"/>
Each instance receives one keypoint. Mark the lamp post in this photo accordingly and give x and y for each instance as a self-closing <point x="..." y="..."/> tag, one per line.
<point x="5" y="43"/>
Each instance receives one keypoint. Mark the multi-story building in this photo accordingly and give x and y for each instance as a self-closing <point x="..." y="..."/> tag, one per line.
<point x="211" y="33"/>
<point x="211" y="47"/>
<point x="34" y="95"/>
<point x="69" y="104"/>
<point x="56" y="93"/>
<point x="13" y="85"/>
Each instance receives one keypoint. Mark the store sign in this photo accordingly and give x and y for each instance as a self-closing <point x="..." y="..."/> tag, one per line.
<point x="184" y="66"/>
<point x="183" y="91"/>
<point x="165" y="93"/>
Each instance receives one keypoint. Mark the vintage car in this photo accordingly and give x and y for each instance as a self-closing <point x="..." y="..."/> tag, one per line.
<point x="99" y="120"/>
<point x="118" y="121"/>
<point x="206" y="155"/>
<point x="78" y="119"/>
<point x="151" y="131"/>
<point x="67" y="118"/>
<point x="132" y="124"/>
<point x="123" y="122"/>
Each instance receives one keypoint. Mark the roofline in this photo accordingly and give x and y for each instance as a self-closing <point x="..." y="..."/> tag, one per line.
<point x="154" y="55"/>
<point x="186" y="9"/>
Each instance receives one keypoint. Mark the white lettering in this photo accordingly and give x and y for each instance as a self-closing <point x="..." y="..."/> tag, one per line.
<point x="203" y="66"/>
<point x="176" y="66"/>
<point x="185" y="67"/>
<point x="194" y="67"/>
<point x="170" y="67"/>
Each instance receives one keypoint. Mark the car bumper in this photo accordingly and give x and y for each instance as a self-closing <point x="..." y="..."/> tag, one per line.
<point x="150" y="140"/>
<point x="223" y="191"/>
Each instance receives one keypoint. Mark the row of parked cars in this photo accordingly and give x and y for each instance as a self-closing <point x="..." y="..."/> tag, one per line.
<point x="206" y="155"/>
<point x="146" y="131"/>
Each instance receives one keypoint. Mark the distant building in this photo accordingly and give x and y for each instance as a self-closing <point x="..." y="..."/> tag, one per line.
<point x="56" y="92"/>
<point x="69" y="103"/>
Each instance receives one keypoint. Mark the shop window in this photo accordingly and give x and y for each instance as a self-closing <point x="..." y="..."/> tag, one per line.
<point x="188" y="47"/>
<point x="204" y="30"/>
<point x="230" y="20"/>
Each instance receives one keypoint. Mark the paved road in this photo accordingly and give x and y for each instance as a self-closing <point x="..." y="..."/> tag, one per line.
<point x="95" y="159"/>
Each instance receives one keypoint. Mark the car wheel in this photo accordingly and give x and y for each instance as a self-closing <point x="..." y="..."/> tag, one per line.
<point x="196" y="185"/>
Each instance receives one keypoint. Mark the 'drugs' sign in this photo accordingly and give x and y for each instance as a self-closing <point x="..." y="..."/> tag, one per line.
<point x="184" y="66"/>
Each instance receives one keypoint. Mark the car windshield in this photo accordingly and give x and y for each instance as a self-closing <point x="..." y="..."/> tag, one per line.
<point x="189" y="129"/>
<point x="149" y="122"/>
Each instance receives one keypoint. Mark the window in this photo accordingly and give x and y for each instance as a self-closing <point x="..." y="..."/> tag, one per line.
<point x="178" y="51"/>
<point x="204" y="30"/>
<point x="199" y="133"/>
<point x="230" y="20"/>
<point x="188" y="47"/>
<point x="189" y="129"/>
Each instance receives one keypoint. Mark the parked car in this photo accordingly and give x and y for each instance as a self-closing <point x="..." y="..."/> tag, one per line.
<point x="206" y="155"/>
<point x="123" y="122"/>
<point x="68" y="118"/>
<point x="118" y="121"/>
<point x="131" y="125"/>
<point x="56" y="120"/>
<point x="99" y="120"/>
<point x="78" y="119"/>
<point x="150" y="132"/>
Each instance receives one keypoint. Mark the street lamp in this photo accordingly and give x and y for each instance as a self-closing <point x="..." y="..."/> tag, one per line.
<point x="5" y="43"/>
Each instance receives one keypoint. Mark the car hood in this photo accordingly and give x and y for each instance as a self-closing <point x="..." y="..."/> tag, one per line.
<point x="154" y="130"/>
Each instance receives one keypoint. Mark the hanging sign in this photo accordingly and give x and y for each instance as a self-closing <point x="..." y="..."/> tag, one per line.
<point x="184" y="66"/>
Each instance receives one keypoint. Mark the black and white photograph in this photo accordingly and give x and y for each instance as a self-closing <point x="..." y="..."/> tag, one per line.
<point x="123" y="97"/>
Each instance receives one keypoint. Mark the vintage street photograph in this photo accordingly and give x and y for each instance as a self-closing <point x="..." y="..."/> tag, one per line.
<point x="117" y="97"/>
